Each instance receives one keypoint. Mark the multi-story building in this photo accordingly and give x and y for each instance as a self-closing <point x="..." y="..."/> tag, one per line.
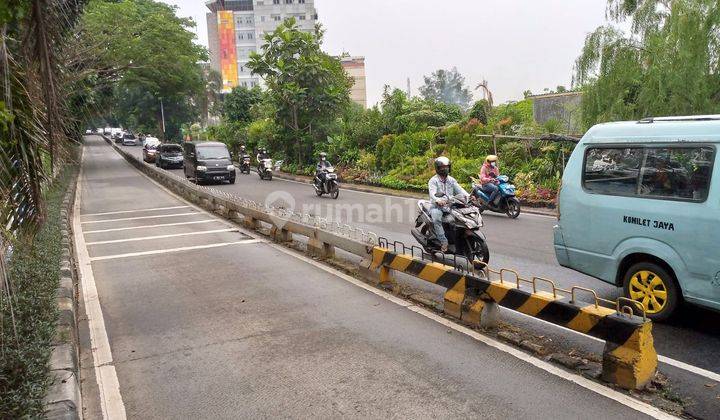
<point x="236" y="28"/>
<point x="355" y="68"/>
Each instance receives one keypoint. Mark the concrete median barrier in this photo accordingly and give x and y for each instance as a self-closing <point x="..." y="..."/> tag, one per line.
<point x="629" y="357"/>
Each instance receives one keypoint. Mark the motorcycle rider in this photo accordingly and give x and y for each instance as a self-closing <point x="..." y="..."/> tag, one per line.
<point x="489" y="173"/>
<point x="320" y="169"/>
<point x="442" y="182"/>
<point x="262" y="154"/>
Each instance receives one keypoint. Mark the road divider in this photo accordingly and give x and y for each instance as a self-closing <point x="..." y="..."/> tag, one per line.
<point x="629" y="357"/>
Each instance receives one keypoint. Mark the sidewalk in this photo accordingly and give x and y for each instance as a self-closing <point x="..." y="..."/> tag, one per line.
<point x="202" y="320"/>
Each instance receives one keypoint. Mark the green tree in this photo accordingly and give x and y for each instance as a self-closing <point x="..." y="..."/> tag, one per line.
<point x="308" y="88"/>
<point x="394" y="104"/>
<point x="447" y="86"/>
<point x="153" y="54"/>
<point x="666" y="65"/>
<point x="237" y="105"/>
<point x="480" y="111"/>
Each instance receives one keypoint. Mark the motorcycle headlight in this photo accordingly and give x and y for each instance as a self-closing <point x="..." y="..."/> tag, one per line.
<point x="231" y="168"/>
<point x="201" y="168"/>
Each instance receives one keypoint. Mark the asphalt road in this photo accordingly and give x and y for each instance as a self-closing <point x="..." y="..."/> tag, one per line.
<point x="245" y="329"/>
<point x="524" y="244"/>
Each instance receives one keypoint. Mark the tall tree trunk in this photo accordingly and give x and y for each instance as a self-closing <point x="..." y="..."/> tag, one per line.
<point x="47" y="78"/>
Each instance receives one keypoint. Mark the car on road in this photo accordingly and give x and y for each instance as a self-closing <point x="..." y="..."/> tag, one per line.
<point x="150" y="146"/>
<point x="639" y="209"/>
<point x="149" y="140"/>
<point x="208" y="161"/>
<point x="169" y="156"/>
<point x="129" y="139"/>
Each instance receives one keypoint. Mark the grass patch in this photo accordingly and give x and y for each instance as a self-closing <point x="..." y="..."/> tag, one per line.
<point x="34" y="274"/>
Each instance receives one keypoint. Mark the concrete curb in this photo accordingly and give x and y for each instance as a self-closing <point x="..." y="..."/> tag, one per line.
<point x="63" y="400"/>
<point x="399" y="193"/>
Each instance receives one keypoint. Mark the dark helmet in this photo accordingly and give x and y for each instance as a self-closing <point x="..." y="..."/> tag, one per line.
<point x="323" y="156"/>
<point x="442" y="166"/>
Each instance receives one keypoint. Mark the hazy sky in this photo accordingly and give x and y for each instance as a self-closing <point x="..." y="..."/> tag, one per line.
<point x="514" y="44"/>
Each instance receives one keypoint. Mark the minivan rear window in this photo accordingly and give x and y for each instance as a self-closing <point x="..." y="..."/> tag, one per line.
<point x="212" y="152"/>
<point x="672" y="173"/>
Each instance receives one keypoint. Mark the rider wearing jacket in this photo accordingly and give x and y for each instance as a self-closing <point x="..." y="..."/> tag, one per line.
<point x="262" y="155"/>
<point x="442" y="182"/>
<point x="489" y="177"/>
<point x="320" y="168"/>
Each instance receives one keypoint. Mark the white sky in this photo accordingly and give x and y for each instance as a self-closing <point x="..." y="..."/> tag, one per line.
<point x="514" y="44"/>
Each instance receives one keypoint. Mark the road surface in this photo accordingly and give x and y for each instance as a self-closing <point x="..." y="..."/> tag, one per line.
<point x="524" y="244"/>
<point x="197" y="319"/>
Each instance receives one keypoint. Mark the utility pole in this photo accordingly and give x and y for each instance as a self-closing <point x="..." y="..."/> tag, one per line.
<point x="408" y="87"/>
<point x="162" y="115"/>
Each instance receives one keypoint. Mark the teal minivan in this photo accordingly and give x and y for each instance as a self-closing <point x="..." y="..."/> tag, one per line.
<point x="639" y="207"/>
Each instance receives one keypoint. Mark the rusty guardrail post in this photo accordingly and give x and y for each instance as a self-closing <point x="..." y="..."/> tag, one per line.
<point x="319" y="248"/>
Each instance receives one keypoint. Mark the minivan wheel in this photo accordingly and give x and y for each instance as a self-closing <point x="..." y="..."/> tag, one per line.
<point x="654" y="287"/>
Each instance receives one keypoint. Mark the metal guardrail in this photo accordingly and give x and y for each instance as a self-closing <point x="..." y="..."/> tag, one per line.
<point x="629" y="359"/>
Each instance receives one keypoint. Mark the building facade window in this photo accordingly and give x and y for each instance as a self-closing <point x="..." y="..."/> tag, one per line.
<point x="288" y="1"/>
<point x="276" y="1"/>
<point x="276" y="18"/>
<point x="301" y="17"/>
<point x="301" y="1"/>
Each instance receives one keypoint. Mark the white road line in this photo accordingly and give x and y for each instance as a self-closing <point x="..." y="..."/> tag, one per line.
<point x="111" y="403"/>
<point x="148" y="238"/>
<point x="134" y="211"/>
<point x="662" y="359"/>
<point x="690" y="368"/>
<point x="605" y="391"/>
<point x="547" y="367"/>
<point x="150" y="226"/>
<point x="138" y="218"/>
<point x="166" y="251"/>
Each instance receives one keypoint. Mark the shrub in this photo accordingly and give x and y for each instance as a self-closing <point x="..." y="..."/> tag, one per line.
<point x="26" y="336"/>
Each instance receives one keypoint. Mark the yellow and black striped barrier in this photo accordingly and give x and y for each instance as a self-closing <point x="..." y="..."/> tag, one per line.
<point x="629" y="358"/>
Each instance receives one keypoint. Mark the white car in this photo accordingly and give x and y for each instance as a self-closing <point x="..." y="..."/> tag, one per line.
<point x="149" y="140"/>
<point x="129" y="139"/>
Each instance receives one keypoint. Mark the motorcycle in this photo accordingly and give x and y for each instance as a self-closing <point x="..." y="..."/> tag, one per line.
<point x="462" y="229"/>
<point x="329" y="186"/>
<point x="265" y="169"/>
<point x="505" y="201"/>
<point x="245" y="164"/>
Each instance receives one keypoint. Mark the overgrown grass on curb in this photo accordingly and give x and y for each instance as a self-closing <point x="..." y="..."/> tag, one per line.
<point x="34" y="274"/>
